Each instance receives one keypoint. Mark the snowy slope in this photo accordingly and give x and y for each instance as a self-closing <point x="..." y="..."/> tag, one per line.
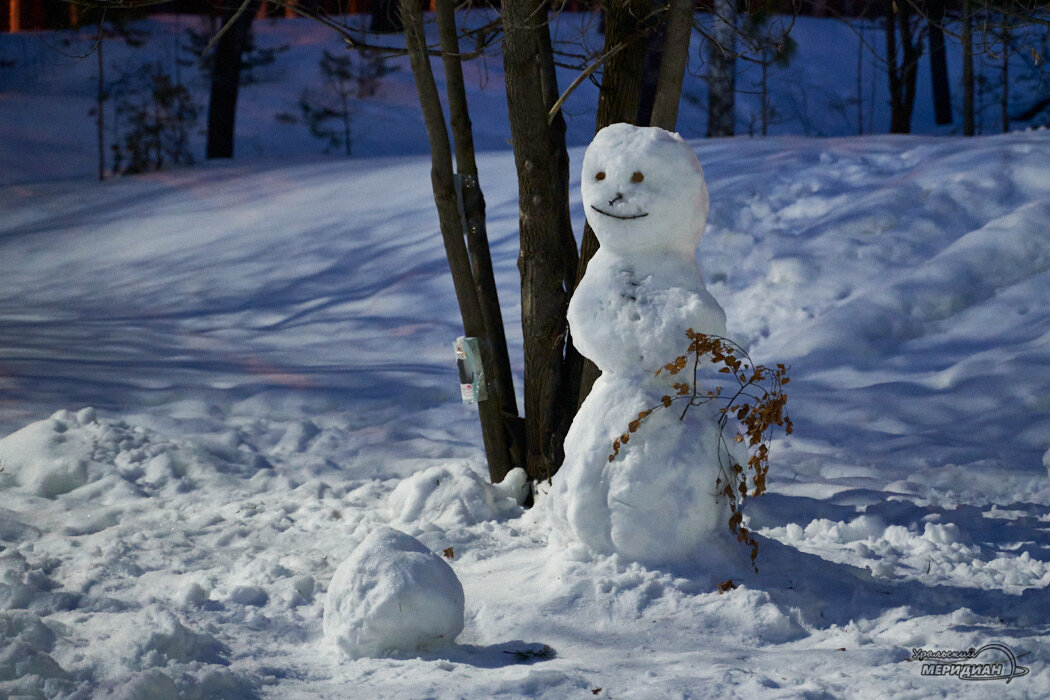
<point x="266" y="373"/>
<point x="215" y="382"/>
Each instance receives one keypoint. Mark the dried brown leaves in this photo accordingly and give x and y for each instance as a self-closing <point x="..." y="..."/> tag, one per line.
<point x="756" y="401"/>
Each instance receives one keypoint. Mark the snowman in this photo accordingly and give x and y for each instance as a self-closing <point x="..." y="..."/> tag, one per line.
<point x="655" y="503"/>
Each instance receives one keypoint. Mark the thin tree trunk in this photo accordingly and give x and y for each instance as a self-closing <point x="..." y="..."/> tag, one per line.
<point x="544" y="298"/>
<point x="494" y="344"/>
<point x="492" y="428"/>
<point x="765" y="97"/>
<point x="225" y="82"/>
<point x="902" y="75"/>
<point x="967" y="69"/>
<point x="100" y="104"/>
<point x="385" y="17"/>
<point x="910" y="67"/>
<point x="672" y="68"/>
<point x="721" y="72"/>
<point x="942" y="98"/>
<point x="1005" y="76"/>
<point x="860" y="80"/>
<point x="572" y="371"/>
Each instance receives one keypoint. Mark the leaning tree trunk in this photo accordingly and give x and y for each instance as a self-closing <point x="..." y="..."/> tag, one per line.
<point x="493" y="429"/>
<point x="677" y="35"/>
<point x="721" y="71"/>
<point x="226" y="78"/>
<point x="472" y="202"/>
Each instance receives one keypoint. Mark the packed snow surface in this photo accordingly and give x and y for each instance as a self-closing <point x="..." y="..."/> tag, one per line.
<point x="266" y="347"/>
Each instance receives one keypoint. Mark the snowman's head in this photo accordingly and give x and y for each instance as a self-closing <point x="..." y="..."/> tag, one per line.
<point x="644" y="190"/>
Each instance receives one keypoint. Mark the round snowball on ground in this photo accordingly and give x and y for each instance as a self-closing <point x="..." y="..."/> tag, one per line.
<point x="392" y="594"/>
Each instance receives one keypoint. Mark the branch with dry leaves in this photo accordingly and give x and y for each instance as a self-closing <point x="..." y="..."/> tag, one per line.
<point x="754" y="403"/>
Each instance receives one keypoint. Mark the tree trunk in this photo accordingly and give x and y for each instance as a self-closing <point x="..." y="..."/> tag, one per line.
<point x="385" y="17"/>
<point x="494" y="345"/>
<point x="572" y="371"/>
<point x="492" y="425"/>
<point x="225" y="81"/>
<point x="677" y="35"/>
<point x="1004" y="75"/>
<point x="100" y="103"/>
<point x="942" y="97"/>
<point x="967" y="69"/>
<point x="721" y="71"/>
<point x="544" y="298"/>
<point x="902" y="76"/>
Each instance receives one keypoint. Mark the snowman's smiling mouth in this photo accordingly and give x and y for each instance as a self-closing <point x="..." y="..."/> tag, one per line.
<point x="617" y="216"/>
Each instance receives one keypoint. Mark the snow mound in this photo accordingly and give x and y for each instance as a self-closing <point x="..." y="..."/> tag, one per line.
<point x="27" y="644"/>
<point x="392" y="594"/>
<point x="69" y="450"/>
<point x="943" y="554"/>
<point x="455" y="495"/>
<point x="49" y="457"/>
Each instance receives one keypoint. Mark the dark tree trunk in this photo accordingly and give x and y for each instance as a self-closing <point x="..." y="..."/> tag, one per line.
<point x="100" y="104"/>
<point x="902" y="75"/>
<point x="225" y="81"/>
<point x="721" y="71"/>
<point x="494" y="344"/>
<point x="654" y="52"/>
<point x="493" y="428"/>
<point x="967" y="69"/>
<point x="544" y="298"/>
<point x="942" y="97"/>
<point x="385" y="17"/>
<point x="678" y="32"/>
<point x="1004" y="76"/>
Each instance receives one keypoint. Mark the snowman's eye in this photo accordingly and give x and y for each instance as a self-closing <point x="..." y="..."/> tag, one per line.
<point x="637" y="177"/>
<point x="600" y="175"/>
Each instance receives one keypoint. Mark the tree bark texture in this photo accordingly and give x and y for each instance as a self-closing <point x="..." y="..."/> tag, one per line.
<point x="225" y="81"/>
<point x="544" y="298"/>
<point x="677" y="36"/>
<point x="443" y="182"/>
<point x="721" y="71"/>
<point x="472" y="200"/>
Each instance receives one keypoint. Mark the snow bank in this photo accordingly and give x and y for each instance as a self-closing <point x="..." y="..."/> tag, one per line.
<point x="454" y="495"/>
<point x="390" y="595"/>
<point x="50" y="457"/>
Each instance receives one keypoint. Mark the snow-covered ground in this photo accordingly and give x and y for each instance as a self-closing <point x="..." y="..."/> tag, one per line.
<point x="216" y="381"/>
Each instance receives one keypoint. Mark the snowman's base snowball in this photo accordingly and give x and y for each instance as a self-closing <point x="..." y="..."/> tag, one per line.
<point x="392" y="594"/>
<point x="656" y="502"/>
